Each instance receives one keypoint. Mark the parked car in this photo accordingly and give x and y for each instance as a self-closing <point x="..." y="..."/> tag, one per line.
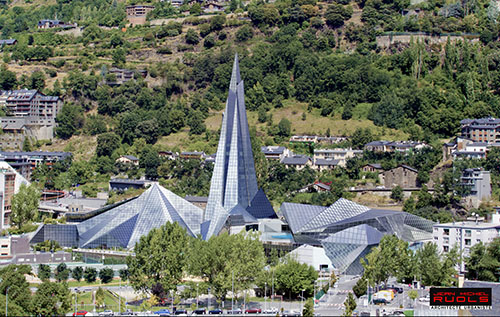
<point x="128" y="312"/>
<point x="107" y="312"/>
<point x="216" y="311"/>
<point x="81" y="313"/>
<point x="162" y="312"/>
<point x="199" y="311"/>
<point x="395" y="289"/>
<point x="236" y="311"/>
<point x="180" y="312"/>
<point x="253" y="311"/>
<point x="425" y="299"/>
<point x="380" y="301"/>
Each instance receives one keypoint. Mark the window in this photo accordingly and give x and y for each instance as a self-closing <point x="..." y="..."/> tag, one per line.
<point x="446" y="232"/>
<point x="446" y="240"/>
<point x="467" y="241"/>
<point x="467" y="233"/>
<point x="446" y="248"/>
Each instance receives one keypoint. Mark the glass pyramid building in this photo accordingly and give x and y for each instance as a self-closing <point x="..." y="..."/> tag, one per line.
<point x="123" y="225"/>
<point x="347" y="231"/>
<point x="234" y="189"/>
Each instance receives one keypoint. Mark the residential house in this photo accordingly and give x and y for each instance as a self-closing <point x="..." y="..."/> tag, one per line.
<point x="317" y="186"/>
<point x="481" y="130"/>
<point x="342" y="155"/>
<point x="372" y="167"/>
<point x="465" y="234"/>
<point x="331" y="139"/>
<point x="403" y="176"/>
<point x="122" y="184"/>
<point x="192" y="155"/>
<point x="169" y="155"/>
<point x="198" y="201"/>
<point x="210" y="159"/>
<point x="394" y="146"/>
<point x="52" y="24"/>
<point x="213" y="6"/>
<point x="297" y="161"/>
<point x="128" y="159"/>
<point x="124" y="75"/>
<point x="136" y="14"/>
<point x="304" y="138"/>
<point x="325" y="164"/>
<point x="478" y="183"/>
<point x="176" y="3"/>
<point x="8" y="42"/>
<point x="275" y="152"/>
<point x="26" y="162"/>
<point x="472" y="149"/>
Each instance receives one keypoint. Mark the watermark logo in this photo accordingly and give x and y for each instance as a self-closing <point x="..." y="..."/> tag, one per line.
<point x="460" y="298"/>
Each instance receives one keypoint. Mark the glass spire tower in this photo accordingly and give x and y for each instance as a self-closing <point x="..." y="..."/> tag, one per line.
<point x="234" y="183"/>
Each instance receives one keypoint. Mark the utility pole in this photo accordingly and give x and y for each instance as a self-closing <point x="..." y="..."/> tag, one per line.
<point x="272" y="291"/>
<point x="265" y="295"/>
<point x="232" y="291"/>
<point x="196" y="295"/>
<point x="172" y="295"/>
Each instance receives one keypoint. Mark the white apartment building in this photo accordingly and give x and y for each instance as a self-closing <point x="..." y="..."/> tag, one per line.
<point x="342" y="155"/>
<point x="465" y="235"/>
<point x="10" y="181"/>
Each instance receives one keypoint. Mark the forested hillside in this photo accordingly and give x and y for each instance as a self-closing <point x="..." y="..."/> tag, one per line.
<point x="309" y="68"/>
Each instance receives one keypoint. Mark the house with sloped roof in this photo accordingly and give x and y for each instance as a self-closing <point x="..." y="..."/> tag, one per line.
<point x="403" y="176"/>
<point x="372" y="167"/>
<point x="297" y="161"/>
<point x="128" y="159"/>
<point x="325" y="164"/>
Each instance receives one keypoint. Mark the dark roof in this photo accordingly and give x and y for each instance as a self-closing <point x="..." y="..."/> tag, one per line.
<point x="127" y="181"/>
<point x="131" y="157"/>
<point x="8" y="42"/>
<point x="322" y="185"/>
<point x="272" y="149"/>
<point x="487" y="121"/>
<point x="196" y="199"/>
<point x="326" y="162"/>
<point x="192" y="153"/>
<point x="375" y="165"/>
<point x="409" y="168"/>
<point x="296" y="160"/>
<point x="42" y="154"/>
<point x="377" y="143"/>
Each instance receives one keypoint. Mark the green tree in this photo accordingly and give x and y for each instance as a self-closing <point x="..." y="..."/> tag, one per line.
<point x="37" y="80"/>
<point x="90" y="274"/>
<point x="284" y="128"/>
<point x="95" y="124"/>
<point x="350" y="305"/>
<point x="292" y="277"/>
<point x="217" y="22"/>
<point x="13" y="278"/>
<point x="160" y="258"/>
<point x="150" y="160"/>
<point x="77" y="273"/>
<point x="397" y="193"/>
<point x="107" y="143"/>
<point x="224" y="255"/>
<point x="62" y="272"/>
<point x="336" y="14"/>
<point x="413" y="294"/>
<point x="27" y="145"/>
<point x="106" y="275"/>
<point x="119" y="57"/>
<point x="123" y="274"/>
<point x="99" y="297"/>
<point x="8" y="79"/>
<point x="24" y="205"/>
<point x="361" y="137"/>
<point x="360" y="287"/>
<point x="244" y="33"/>
<point x="308" y="308"/>
<point x="44" y="272"/>
<point x="69" y="120"/>
<point x="429" y="266"/>
<point x="192" y="37"/>
<point x="51" y="299"/>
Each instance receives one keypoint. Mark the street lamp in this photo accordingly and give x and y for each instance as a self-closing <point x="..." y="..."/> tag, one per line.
<point x="302" y="301"/>
<point x="172" y="296"/>
<point x="265" y="295"/>
<point x="196" y="295"/>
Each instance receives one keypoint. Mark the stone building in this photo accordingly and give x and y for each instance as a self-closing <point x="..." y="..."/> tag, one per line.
<point x="403" y="176"/>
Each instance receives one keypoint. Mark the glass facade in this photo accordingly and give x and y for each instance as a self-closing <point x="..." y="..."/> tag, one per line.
<point x="123" y="225"/>
<point x="347" y="230"/>
<point x="234" y="182"/>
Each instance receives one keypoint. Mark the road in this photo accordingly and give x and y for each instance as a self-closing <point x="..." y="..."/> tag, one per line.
<point x="332" y="304"/>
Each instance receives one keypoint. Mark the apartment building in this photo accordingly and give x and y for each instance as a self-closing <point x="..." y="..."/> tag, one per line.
<point x="465" y="235"/>
<point x="10" y="181"/>
<point x="481" y="130"/>
<point x="342" y="155"/>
